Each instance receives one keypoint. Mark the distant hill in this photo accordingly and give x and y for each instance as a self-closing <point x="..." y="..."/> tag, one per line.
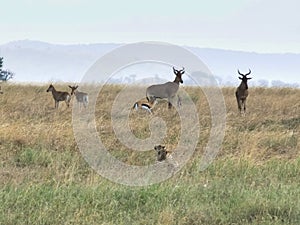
<point x="35" y="61"/>
<point x="43" y="62"/>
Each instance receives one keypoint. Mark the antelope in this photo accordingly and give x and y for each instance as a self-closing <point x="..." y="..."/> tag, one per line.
<point x="167" y="90"/>
<point x="81" y="97"/>
<point x="59" y="96"/>
<point x="145" y="104"/>
<point x="242" y="91"/>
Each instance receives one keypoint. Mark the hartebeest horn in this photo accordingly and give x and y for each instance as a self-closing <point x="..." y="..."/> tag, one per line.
<point x="248" y="73"/>
<point x="174" y="70"/>
<point x="244" y="74"/>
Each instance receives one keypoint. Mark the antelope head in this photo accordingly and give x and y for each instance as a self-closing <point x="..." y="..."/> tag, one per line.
<point x="73" y="88"/>
<point x="50" y="88"/>
<point x="178" y="74"/>
<point x="244" y="77"/>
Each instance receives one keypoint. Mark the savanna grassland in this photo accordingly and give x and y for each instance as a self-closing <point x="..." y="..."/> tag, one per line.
<point x="253" y="180"/>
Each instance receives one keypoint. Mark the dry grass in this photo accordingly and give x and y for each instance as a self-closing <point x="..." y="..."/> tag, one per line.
<point x="37" y="147"/>
<point x="270" y="128"/>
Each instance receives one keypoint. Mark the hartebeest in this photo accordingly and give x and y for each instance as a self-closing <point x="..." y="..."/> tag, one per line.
<point x="242" y="91"/>
<point x="167" y="90"/>
<point x="59" y="96"/>
<point x="145" y="104"/>
<point x="81" y="97"/>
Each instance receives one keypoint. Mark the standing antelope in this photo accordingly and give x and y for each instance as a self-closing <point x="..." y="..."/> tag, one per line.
<point x="242" y="91"/>
<point x="59" y="96"/>
<point x="167" y="90"/>
<point x="145" y="104"/>
<point x="81" y="97"/>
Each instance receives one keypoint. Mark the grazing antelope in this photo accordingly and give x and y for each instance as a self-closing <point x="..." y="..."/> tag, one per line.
<point x="145" y="104"/>
<point x="167" y="90"/>
<point x="81" y="97"/>
<point x="59" y="96"/>
<point x="242" y="91"/>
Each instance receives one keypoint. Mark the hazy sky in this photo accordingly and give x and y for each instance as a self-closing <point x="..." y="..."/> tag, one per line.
<point x="251" y="25"/>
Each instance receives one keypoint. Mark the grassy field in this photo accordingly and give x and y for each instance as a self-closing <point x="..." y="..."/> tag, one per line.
<point x="254" y="179"/>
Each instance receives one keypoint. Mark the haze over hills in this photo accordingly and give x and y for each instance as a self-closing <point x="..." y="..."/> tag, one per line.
<point x="35" y="61"/>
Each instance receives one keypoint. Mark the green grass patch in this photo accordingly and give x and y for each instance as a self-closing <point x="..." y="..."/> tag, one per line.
<point x="228" y="192"/>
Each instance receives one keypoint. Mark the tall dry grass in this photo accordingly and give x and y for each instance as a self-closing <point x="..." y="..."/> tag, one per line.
<point x="45" y="180"/>
<point x="270" y="128"/>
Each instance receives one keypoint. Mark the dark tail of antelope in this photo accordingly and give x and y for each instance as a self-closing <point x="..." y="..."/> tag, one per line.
<point x="241" y="93"/>
<point x="81" y="97"/>
<point x="59" y="96"/>
<point x="1" y="92"/>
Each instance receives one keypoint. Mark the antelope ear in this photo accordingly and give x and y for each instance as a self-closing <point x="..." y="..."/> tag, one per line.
<point x="70" y="86"/>
<point x="240" y="78"/>
<point x="249" y="78"/>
